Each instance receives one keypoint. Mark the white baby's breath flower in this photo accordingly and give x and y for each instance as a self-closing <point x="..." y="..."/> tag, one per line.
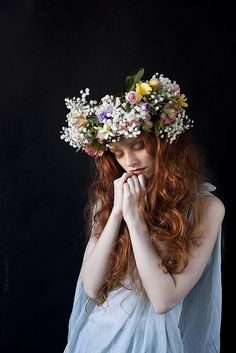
<point x="120" y="119"/>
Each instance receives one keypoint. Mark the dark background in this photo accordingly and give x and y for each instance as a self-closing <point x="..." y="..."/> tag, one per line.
<point x="51" y="50"/>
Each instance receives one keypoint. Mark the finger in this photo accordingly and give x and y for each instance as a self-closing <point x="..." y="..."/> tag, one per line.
<point x="141" y="179"/>
<point x="125" y="176"/>
<point x="126" y="188"/>
<point x="137" y="184"/>
<point x="122" y="179"/>
<point x="131" y="184"/>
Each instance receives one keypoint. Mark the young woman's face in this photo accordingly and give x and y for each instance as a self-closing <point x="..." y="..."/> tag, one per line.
<point x="133" y="157"/>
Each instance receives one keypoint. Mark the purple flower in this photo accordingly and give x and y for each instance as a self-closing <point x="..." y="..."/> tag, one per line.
<point x="145" y="106"/>
<point x="103" y="114"/>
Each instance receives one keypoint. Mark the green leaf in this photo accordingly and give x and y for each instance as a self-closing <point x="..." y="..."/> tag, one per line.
<point x="127" y="108"/>
<point x="152" y="111"/>
<point x="93" y="119"/>
<point x="158" y="126"/>
<point x="145" y="127"/>
<point x="129" y="82"/>
<point x="92" y="129"/>
<point x="132" y="79"/>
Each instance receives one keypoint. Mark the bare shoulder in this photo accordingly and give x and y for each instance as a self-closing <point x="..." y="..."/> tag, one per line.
<point x="212" y="212"/>
<point x="212" y="204"/>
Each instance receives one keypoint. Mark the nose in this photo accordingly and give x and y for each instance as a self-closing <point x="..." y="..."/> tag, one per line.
<point x="131" y="159"/>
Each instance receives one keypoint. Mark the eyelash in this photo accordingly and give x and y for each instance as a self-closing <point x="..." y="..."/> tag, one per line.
<point x="138" y="145"/>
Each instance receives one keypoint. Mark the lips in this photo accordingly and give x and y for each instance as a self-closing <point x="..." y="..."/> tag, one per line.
<point x="138" y="171"/>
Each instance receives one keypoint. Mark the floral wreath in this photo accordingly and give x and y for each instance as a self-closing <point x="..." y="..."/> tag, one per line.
<point x="152" y="105"/>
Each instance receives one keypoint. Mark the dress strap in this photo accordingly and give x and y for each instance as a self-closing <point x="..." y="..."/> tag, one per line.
<point x="206" y="189"/>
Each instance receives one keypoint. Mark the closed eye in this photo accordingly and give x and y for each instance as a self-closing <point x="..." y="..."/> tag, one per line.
<point x="136" y="146"/>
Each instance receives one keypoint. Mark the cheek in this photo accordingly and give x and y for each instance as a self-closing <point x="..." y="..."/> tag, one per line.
<point x="120" y="161"/>
<point x="150" y="160"/>
<point x="147" y="157"/>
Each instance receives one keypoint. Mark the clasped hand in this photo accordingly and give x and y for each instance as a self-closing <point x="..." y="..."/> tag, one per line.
<point x="128" y="189"/>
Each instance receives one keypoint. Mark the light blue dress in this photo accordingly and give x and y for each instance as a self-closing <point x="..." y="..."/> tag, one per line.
<point x="125" y="325"/>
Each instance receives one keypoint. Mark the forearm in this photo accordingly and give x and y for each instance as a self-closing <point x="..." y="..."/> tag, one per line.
<point x="95" y="266"/>
<point x="159" y="286"/>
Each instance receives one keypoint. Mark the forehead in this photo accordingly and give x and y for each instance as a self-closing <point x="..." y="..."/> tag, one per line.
<point x="125" y="142"/>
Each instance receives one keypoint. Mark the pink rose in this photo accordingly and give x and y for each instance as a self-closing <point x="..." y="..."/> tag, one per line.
<point x="148" y="123"/>
<point x="164" y="117"/>
<point x="175" y="88"/>
<point x="100" y="136"/>
<point x="132" y="97"/>
<point x="148" y="116"/>
<point x="92" y="152"/>
<point x="133" y="121"/>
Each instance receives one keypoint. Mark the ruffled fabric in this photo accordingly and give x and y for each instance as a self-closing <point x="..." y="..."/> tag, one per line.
<point x="125" y="324"/>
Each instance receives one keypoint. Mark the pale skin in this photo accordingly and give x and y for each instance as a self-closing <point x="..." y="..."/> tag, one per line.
<point x="164" y="290"/>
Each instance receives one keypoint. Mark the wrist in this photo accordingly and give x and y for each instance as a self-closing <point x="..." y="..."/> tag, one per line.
<point x="135" y="220"/>
<point x="117" y="214"/>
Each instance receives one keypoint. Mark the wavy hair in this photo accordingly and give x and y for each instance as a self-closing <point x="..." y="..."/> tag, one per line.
<point x="170" y="208"/>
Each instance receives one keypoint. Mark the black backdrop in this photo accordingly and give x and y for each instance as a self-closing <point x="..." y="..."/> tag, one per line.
<point x="49" y="51"/>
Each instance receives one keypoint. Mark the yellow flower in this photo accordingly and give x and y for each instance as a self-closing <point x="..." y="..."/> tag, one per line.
<point x="182" y="101"/>
<point x="143" y="88"/>
<point x="139" y="97"/>
<point x="154" y="82"/>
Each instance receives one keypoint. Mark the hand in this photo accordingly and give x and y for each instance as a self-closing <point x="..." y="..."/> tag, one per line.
<point x="118" y="193"/>
<point x="134" y="189"/>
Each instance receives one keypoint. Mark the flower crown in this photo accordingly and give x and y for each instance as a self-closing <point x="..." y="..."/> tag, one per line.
<point x="155" y="105"/>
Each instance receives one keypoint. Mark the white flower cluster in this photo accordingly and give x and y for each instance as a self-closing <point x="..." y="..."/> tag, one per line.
<point x="116" y="123"/>
<point x="179" y="125"/>
<point x="157" y="103"/>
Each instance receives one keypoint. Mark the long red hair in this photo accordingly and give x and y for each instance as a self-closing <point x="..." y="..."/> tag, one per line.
<point x="171" y="208"/>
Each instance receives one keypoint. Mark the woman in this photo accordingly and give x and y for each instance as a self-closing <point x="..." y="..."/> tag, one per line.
<point x="150" y="280"/>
